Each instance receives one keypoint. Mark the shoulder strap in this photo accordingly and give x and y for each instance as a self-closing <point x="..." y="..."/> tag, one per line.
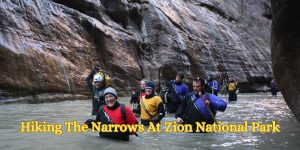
<point x="101" y="108"/>
<point x="123" y="112"/>
<point x="209" y="110"/>
<point x="147" y="112"/>
<point x="194" y="103"/>
<point x="232" y="86"/>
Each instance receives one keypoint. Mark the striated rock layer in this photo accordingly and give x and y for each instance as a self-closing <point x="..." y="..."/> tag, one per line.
<point x="50" y="46"/>
<point x="285" y="50"/>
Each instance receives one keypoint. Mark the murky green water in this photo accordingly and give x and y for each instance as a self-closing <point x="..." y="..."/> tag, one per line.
<point x="250" y="107"/>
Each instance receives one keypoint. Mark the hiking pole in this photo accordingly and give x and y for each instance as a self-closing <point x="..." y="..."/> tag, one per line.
<point x="213" y="88"/>
<point x="165" y="107"/>
<point x="211" y="114"/>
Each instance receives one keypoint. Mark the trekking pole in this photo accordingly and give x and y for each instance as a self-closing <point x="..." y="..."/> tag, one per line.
<point x="165" y="107"/>
<point x="211" y="114"/>
<point x="213" y="88"/>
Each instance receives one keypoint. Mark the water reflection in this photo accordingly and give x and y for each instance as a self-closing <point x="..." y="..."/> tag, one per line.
<point x="252" y="107"/>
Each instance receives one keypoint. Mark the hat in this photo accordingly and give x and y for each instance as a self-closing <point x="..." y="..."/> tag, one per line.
<point x="110" y="90"/>
<point x="150" y="84"/>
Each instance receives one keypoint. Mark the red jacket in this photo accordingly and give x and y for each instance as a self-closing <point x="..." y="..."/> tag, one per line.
<point x="116" y="116"/>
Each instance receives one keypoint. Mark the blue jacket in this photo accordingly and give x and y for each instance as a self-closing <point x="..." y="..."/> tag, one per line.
<point x="214" y="84"/>
<point x="181" y="89"/>
<point x="216" y="104"/>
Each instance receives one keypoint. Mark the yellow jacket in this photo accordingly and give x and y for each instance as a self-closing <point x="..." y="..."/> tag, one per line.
<point x="151" y="105"/>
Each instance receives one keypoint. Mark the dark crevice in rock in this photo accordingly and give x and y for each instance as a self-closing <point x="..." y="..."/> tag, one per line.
<point x="117" y="11"/>
<point x="268" y="11"/>
<point x="99" y="39"/>
<point x="135" y="16"/>
<point x="85" y="7"/>
<point x="267" y="15"/>
<point x="217" y="11"/>
<point x="139" y="1"/>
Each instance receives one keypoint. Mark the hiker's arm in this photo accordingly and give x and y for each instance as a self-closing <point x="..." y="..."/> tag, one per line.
<point x="187" y="91"/>
<point x="216" y="86"/>
<point x="134" y="97"/>
<point x="90" y="76"/>
<point x="161" y="112"/>
<point x="181" y="110"/>
<point x="90" y="121"/>
<point x="138" y="109"/>
<point x="130" y="117"/>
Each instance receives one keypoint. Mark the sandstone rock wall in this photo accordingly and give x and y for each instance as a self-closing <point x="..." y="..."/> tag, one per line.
<point x="50" y="46"/>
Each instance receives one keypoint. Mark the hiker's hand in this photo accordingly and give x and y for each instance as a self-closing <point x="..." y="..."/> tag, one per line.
<point x="207" y="102"/>
<point x="156" y="121"/>
<point x="89" y="122"/>
<point x="200" y="93"/>
<point x="179" y="120"/>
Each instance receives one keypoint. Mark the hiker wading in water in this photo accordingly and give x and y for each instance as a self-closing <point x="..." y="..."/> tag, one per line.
<point x="174" y="93"/>
<point x="199" y="106"/>
<point x="137" y="96"/>
<point x="151" y="106"/>
<point x="114" y="113"/>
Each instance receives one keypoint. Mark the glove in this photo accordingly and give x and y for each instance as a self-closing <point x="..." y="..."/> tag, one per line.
<point x="237" y="91"/>
<point x="156" y="121"/>
<point x="96" y="69"/>
<point x="89" y="122"/>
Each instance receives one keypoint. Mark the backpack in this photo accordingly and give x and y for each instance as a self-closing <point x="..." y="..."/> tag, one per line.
<point x="169" y="94"/>
<point x="106" y="78"/>
<point x="232" y="86"/>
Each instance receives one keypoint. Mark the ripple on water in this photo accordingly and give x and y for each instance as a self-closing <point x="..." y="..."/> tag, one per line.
<point x="251" y="107"/>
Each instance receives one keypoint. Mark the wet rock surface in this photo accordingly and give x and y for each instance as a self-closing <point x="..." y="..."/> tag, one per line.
<point x="285" y="51"/>
<point x="50" y="46"/>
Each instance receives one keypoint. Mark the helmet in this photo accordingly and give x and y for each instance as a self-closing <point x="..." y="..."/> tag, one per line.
<point x="98" y="78"/>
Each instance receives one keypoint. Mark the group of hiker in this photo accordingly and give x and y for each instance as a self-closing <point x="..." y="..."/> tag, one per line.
<point x="226" y="87"/>
<point x="198" y="105"/>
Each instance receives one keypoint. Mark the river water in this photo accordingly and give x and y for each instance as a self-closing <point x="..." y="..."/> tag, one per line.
<point x="250" y="107"/>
